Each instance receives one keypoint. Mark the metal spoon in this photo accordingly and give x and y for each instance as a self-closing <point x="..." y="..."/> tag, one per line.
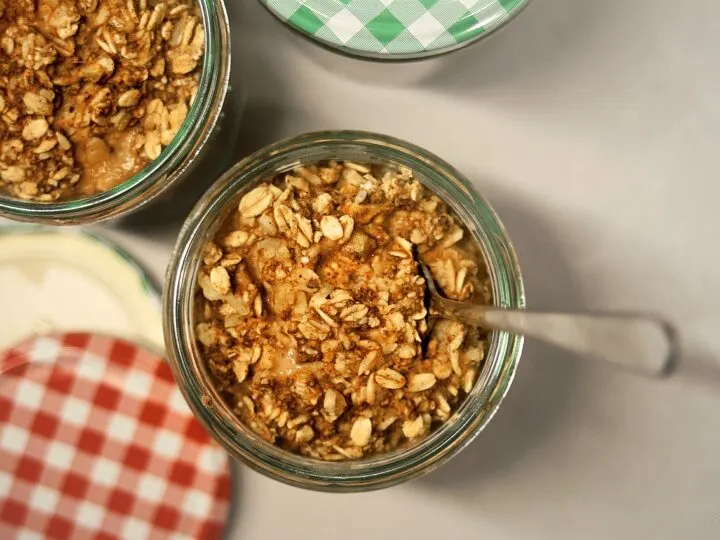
<point x="642" y="343"/>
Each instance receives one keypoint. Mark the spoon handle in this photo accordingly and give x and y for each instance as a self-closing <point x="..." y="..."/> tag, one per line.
<point x="642" y="343"/>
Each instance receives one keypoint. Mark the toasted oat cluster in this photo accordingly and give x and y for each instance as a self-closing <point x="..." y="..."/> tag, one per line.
<point x="91" y="90"/>
<point x="311" y="312"/>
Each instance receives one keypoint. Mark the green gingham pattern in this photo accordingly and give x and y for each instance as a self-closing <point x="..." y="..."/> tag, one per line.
<point x="394" y="27"/>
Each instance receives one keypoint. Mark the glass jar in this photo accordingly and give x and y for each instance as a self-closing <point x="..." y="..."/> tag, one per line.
<point x="187" y="363"/>
<point x="185" y="152"/>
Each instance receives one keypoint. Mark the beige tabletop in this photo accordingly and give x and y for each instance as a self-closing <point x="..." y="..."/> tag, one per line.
<point x="594" y="128"/>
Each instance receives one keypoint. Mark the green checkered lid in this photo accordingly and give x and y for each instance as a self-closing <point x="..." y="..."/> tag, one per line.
<point x="395" y="28"/>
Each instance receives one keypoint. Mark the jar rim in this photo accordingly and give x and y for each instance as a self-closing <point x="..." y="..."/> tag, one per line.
<point x="195" y="382"/>
<point x="166" y="170"/>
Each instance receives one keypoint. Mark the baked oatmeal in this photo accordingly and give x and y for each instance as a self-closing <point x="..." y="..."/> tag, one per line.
<point x="91" y="91"/>
<point x="311" y="314"/>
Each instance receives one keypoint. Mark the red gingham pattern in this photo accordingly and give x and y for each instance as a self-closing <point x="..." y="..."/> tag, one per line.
<point x="96" y="442"/>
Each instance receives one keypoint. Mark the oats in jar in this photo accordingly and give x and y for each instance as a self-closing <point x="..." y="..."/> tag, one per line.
<point x="91" y="91"/>
<point x="311" y="316"/>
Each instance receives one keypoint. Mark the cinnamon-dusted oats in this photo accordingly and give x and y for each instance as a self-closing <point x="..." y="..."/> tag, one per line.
<point x="311" y="312"/>
<point x="91" y="90"/>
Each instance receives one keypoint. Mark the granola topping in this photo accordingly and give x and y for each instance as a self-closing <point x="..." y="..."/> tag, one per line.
<point x="91" y="91"/>
<point x="311" y="315"/>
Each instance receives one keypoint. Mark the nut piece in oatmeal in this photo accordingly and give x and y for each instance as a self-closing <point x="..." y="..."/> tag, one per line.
<point x="311" y="315"/>
<point x="91" y="90"/>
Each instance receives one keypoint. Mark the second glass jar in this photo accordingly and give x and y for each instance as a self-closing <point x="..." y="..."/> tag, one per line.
<point x="192" y="375"/>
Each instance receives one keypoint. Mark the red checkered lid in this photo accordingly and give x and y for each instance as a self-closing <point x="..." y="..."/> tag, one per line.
<point x="96" y="442"/>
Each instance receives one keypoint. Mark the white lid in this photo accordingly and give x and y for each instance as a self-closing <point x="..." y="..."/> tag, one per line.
<point x="73" y="281"/>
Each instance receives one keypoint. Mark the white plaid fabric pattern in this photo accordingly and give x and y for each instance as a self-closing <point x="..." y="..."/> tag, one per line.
<point x="394" y="27"/>
<point x="96" y="442"/>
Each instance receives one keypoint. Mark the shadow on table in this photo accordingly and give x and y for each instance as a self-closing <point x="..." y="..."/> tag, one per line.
<point x="698" y="367"/>
<point x="540" y="42"/>
<point x="233" y="519"/>
<point x="545" y="387"/>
